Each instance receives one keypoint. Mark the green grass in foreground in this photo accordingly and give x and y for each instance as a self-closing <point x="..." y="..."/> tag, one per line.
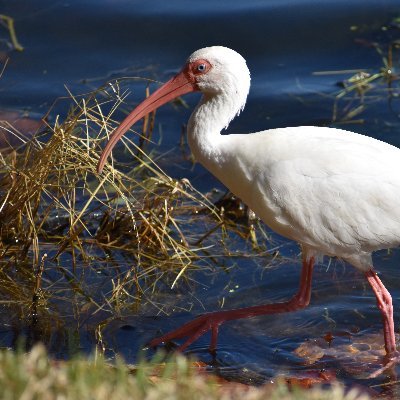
<point x="35" y="376"/>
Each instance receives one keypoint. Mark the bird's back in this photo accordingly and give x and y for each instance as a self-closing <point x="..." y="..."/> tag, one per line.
<point x="333" y="191"/>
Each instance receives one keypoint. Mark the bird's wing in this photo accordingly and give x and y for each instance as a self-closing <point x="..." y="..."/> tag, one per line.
<point x="330" y="189"/>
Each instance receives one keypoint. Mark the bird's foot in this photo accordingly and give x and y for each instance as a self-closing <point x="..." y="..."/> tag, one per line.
<point x="390" y="361"/>
<point x="193" y="330"/>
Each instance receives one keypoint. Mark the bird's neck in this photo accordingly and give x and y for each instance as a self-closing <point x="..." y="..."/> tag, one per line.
<point x="211" y="116"/>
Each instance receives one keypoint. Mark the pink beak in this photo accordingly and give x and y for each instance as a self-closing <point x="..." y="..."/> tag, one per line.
<point x="179" y="85"/>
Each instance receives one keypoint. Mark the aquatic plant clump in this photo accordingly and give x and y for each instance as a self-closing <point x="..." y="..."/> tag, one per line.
<point x="71" y="239"/>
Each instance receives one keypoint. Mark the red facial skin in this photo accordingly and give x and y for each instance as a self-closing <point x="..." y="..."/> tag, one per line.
<point x="182" y="83"/>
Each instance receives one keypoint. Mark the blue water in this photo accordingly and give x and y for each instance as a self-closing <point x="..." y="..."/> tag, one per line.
<point x="82" y="45"/>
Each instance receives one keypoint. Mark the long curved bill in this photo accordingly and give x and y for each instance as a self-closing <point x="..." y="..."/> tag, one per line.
<point x="175" y="87"/>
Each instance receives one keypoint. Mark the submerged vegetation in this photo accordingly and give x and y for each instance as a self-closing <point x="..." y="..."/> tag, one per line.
<point x="365" y="86"/>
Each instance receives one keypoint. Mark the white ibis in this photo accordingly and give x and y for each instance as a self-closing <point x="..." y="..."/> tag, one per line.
<point x="335" y="192"/>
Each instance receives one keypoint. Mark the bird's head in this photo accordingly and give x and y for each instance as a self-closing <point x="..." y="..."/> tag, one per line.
<point x="219" y="69"/>
<point x="212" y="71"/>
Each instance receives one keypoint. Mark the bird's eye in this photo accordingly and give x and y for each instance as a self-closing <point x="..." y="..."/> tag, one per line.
<point x="200" y="67"/>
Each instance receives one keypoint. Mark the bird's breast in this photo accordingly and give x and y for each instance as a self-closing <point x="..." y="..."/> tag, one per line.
<point x="331" y="191"/>
<point x="256" y="188"/>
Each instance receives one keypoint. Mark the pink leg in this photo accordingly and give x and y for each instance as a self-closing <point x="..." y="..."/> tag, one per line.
<point x="211" y="321"/>
<point x="384" y="300"/>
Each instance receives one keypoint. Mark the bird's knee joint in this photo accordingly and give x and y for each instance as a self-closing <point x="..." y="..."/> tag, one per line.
<point x="385" y="305"/>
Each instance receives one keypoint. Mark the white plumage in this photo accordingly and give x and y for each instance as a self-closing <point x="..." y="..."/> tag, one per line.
<point x="334" y="192"/>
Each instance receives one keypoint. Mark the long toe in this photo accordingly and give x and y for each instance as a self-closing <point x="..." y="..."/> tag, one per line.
<point x="192" y="330"/>
<point x="391" y="362"/>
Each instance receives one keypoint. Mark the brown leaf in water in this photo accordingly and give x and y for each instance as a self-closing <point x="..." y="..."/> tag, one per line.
<point x="307" y="379"/>
<point x="358" y="355"/>
<point x="21" y="121"/>
<point x="3" y="56"/>
<point x="17" y="127"/>
<point x="158" y="370"/>
<point x="310" y="351"/>
<point x="329" y="338"/>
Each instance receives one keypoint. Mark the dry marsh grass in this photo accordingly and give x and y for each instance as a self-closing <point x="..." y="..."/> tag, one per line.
<point x="71" y="239"/>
